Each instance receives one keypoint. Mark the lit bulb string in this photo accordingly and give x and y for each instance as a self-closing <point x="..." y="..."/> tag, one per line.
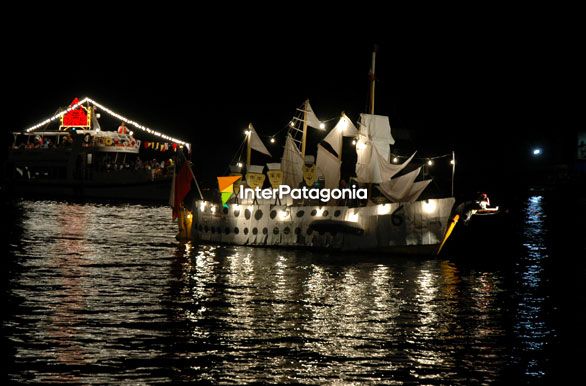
<point x="237" y="157"/>
<point x="422" y="158"/>
<point x="112" y="113"/>
<point x="288" y="126"/>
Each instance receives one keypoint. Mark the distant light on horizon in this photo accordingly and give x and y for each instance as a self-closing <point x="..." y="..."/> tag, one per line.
<point x="537" y="151"/>
<point x="322" y="125"/>
<point x="395" y="160"/>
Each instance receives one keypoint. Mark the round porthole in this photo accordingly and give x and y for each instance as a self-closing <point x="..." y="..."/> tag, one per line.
<point x="313" y="212"/>
<point x="325" y="213"/>
<point x="287" y="230"/>
<point x="258" y="215"/>
<point x="276" y="231"/>
<point x="236" y="213"/>
<point x="247" y="214"/>
<point x="300" y="213"/>
<point x="337" y="213"/>
<point x="245" y="231"/>
<point x="273" y="214"/>
<point x="236" y="230"/>
<point x="265" y="231"/>
<point x="254" y="231"/>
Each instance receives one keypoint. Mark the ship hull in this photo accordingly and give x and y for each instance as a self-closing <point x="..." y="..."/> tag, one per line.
<point x="400" y="228"/>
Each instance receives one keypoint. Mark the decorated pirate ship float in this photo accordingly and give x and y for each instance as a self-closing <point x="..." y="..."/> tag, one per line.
<point x="347" y="217"/>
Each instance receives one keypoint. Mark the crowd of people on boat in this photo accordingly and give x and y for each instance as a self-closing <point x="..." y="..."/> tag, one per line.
<point x="39" y="142"/>
<point x="158" y="169"/>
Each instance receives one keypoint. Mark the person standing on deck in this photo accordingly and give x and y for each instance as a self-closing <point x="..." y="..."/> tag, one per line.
<point x="122" y="129"/>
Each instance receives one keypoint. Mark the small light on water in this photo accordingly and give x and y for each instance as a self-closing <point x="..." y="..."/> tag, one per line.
<point x="537" y="151"/>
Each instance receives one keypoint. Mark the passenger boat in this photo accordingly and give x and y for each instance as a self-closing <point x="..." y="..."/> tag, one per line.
<point x="69" y="155"/>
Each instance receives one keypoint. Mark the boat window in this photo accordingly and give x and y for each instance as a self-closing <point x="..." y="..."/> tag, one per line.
<point x="254" y="231"/>
<point x="309" y="231"/>
<point x="276" y="231"/>
<point x="287" y="230"/>
<point x="300" y="213"/>
<point x="245" y="231"/>
<point x="325" y="213"/>
<point x="337" y="213"/>
<point x="258" y="214"/>
<point x="247" y="214"/>
<point x="297" y="231"/>
<point x="313" y="212"/>
<point x="236" y="213"/>
<point x="273" y="214"/>
<point x="265" y="231"/>
<point x="236" y="230"/>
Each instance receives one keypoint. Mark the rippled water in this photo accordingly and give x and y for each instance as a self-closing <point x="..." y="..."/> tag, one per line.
<point x="104" y="294"/>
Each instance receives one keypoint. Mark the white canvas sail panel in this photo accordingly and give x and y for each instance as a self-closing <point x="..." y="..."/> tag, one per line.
<point x="310" y="116"/>
<point x="344" y="128"/>
<point x="398" y="188"/>
<point x="292" y="164"/>
<point x="416" y="191"/>
<point x="328" y="166"/>
<point x="388" y="170"/>
<point x="256" y="142"/>
<point x="377" y="129"/>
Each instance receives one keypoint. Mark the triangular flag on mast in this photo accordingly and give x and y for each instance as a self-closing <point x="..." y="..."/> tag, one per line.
<point x="344" y="128"/>
<point x="256" y="142"/>
<point x="311" y="117"/>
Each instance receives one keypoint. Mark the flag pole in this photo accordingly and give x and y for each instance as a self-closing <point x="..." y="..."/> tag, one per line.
<point x="192" y="174"/>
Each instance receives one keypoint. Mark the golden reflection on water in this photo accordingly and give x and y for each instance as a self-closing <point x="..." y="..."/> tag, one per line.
<point x="112" y="294"/>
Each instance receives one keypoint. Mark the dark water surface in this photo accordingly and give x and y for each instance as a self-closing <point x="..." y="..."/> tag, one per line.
<point x="96" y="293"/>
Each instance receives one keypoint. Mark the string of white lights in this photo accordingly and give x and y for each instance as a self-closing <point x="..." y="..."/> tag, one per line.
<point x="113" y="114"/>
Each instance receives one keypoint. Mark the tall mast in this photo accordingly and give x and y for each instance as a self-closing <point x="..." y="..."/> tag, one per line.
<point x="248" y="152"/>
<point x="372" y="76"/>
<point x="304" y="136"/>
<point x="341" y="141"/>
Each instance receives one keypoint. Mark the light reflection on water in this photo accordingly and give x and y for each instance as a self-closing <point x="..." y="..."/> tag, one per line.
<point x="103" y="293"/>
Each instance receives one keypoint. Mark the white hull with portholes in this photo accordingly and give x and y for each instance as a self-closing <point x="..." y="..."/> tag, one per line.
<point x="416" y="227"/>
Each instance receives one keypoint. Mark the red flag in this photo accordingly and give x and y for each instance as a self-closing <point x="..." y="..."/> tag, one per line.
<point x="182" y="187"/>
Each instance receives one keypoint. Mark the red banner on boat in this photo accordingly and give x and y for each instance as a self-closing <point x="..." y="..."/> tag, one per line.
<point x="76" y="117"/>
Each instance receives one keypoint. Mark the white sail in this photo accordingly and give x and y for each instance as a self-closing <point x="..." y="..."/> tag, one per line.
<point x="416" y="191"/>
<point x="371" y="167"/>
<point x="344" y="128"/>
<point x="328" y="166"/>
<point x="311" y="118"/>
<point x="398" y="188"/>
<point x="377" y="129"/>
<point x="256" y="142"/>
<point x="388" y="170"/>
<point x="292" y="164"/>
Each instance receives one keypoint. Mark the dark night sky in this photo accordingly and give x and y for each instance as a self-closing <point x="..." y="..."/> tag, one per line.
<point x="488" y="89"/>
